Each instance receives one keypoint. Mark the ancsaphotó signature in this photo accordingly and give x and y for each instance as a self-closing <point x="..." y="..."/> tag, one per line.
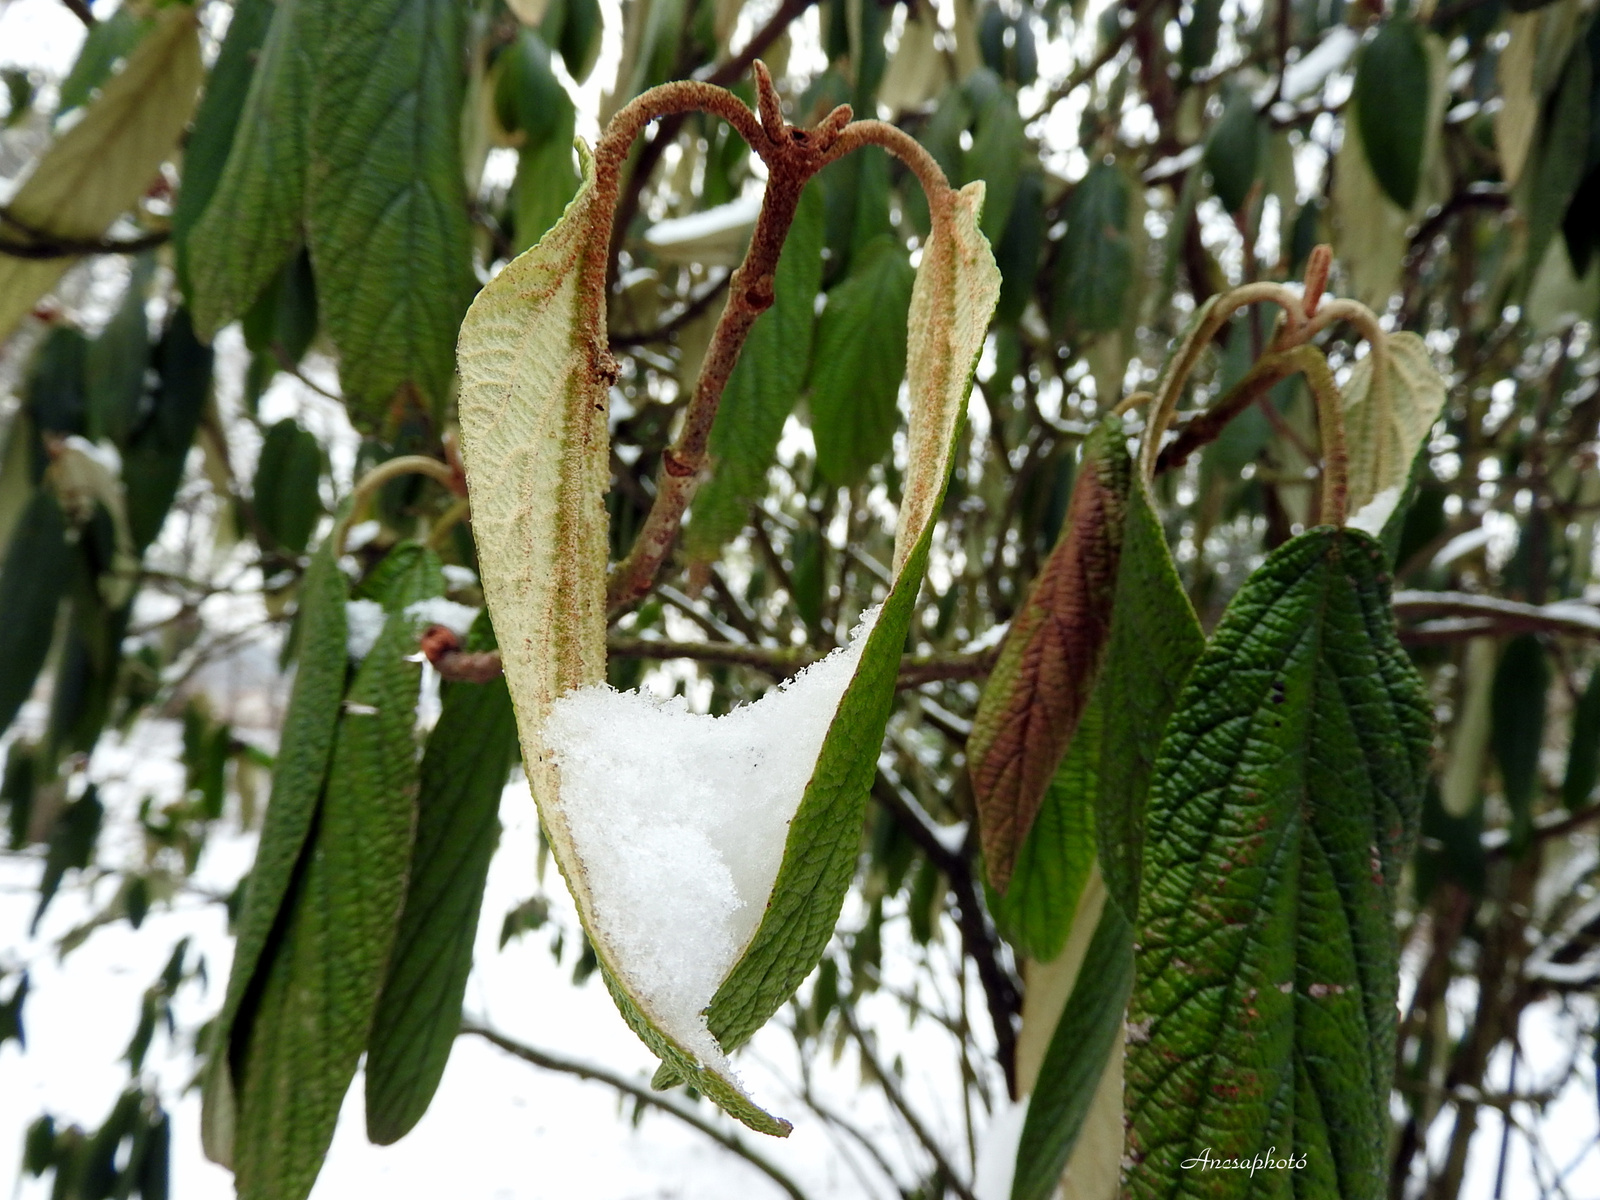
<point x="1205" y="1161"/>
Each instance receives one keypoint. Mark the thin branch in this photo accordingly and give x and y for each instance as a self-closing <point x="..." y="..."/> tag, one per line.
<point x="1090" y="69"/>
<point x="891" y="1089"/>
<point x="1469" y="615"/>
<point x="80" y="9"/>
<point x="642" y="1094"/>
<point x="692" y="309"/>
<point x="43" y="244"/>
<point x="778" y="662"/>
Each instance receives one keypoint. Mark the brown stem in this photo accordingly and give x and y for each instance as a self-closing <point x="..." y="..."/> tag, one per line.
<point x="792" y="156"/>
<point x="80" y="9"/>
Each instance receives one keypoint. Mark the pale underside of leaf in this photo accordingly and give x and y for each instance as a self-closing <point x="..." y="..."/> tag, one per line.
<point x="101" y="166"/>
<point x="1385" y="427"/>
<point x="1284" y="798"/>
<point x="1041" y="684"/>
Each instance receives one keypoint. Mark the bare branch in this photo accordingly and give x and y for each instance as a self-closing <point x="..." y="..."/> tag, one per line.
<point x="644" y="1095"/>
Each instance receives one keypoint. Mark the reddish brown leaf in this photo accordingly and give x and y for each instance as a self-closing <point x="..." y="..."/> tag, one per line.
<point x="1049" y="660"/>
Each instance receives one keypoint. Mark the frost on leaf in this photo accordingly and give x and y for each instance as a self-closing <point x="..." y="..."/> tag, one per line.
<point x="682" y="819"/>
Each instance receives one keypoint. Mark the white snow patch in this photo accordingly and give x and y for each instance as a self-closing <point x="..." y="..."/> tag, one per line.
<point x="1375" y="514"/>
<point x="680" y="820"/>
<point x="458" y="579"/>
<point x="997" y="1151"/>
<point x="436" y="610"/>
<point x="363" y="623"/>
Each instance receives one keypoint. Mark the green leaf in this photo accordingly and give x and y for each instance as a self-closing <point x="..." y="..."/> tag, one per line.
<point x="1035" y="913"/>
<point x="1019" y="247"/>
<point x="1050" y="658"/>
<point x="100" y="167"/>
<point x="999" y="149"/>
<point x="763" y="388"/>
<point x="1234" y="150"/>
<point x="1517" y="705"/>
<point x="953" y="299"/>
<point x="386" y="204"/>
<point x="1392" y="102"/>
<point x="546" y="181"/>
<point x="1562" y="157"/>
<point x="283" y="321"/>
<point x="251" y="223"/>
<point x="37" y="569"/>
<point x="464" y="768"/>
<point x="1069" y="1078"/>
<point x="117" y="359"/>
<point x="1583" y="748"/>
<point x="1155" y="640"/>
<point x="215" y="122"/>
<point x="1199" y="43"/>
<point x="317" y="1002"/>
<point x="285" y="494"/>
<point x="528" y="98"/>
<point x="154" y="457"/>
<point x="1094" y="263"/>
<point x="302" y="763"/>
<point x="1280" y="818"/>
<point x="71" y="846"/>
<point x="108" y="41"/>
<point x="17" y="791"/>
<point x="579" y="43"/>
<point x="858" y="363"/>
<point x="408" y="573"/>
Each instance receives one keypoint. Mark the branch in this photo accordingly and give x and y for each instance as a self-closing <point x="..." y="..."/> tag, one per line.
<point x="42" y="244"/>
<point x="643" y="1095"/>
<point x="80" y="9"/>
<point x="442" y="648"/>
<point x="1091" y="68"/>
<point x="892" y="1090"/>
<point x="1468" y="615"/>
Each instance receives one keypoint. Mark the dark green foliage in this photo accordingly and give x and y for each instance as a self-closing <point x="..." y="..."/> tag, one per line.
<point x="36" y="571"/>
<point x="1391" y="99"/>
<point x="1520" y="683"/>
<point x="1094" y="261"/>
<point x="286" y="497"/>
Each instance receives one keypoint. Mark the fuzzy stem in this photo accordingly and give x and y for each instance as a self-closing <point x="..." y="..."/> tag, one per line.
<point x="406" y="464"/>
<point x="1330" y="426"/>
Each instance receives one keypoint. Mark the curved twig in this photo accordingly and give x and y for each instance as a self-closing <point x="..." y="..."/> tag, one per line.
<point x="405" y="464"/>
<point x="643" y="1095"/>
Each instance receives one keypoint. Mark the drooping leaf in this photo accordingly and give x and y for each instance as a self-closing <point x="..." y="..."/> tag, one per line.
<point x="763" y="388"/>
<point x="205" y="154"/>
<point x="71" y="846"/>
<point x="1235" y="149"/>
<point x="1386" y="427"/>
<point x="1392" y="84"/>
<point x="1199" y="42"/>
<point x="1036" y="911"/>
<point x="252" y="220"/>
<point x="999" y="149"/>
<point x="464" y="768"/>
<point x="285" y="494"/>
<point x="97" y="169"/>
<point x="1018" y="249"/>
<point x="302" y="764"/>
<point x="1048" y="663"/>
<point x="528" y="98"/>
<point x="299" y="1053"/>
<point x="546" y="181"/>
<point x="154" y="457"/>
<point x="1094" y="264"/>
<point x="36" y="571"/>
<point x="858" y="364"/>
<point x="117" y="359"/>
<point x="1562" y="158"/>
<point x="1517" y="726"/>
<point x="1155" y="640"/>
<point x="1070" y="1077"/>
<point x="1583" y="748"/>
<point x="282" y="322"/>
<point x="386" y="206"/>
<point x="1285" y="794"/>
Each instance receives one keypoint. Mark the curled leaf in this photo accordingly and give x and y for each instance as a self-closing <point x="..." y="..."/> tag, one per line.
<point x="1386" y="421"/>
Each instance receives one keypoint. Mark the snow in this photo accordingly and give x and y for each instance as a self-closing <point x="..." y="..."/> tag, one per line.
<point x="997" y="1150"/>
<point x="457" y="618"/>
<point x="1375" y="514"/>
<point x="680" y="821"/>
<point x="363" y="624"/>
